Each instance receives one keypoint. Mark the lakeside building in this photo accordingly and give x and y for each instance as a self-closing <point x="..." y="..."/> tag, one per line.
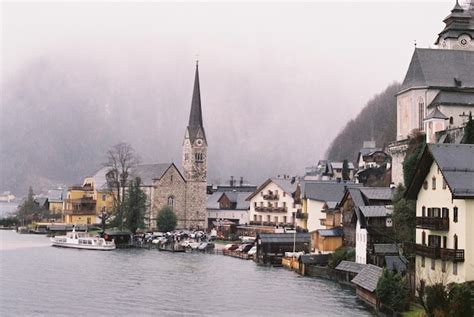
<point x="276" y="203"/>
<point x="230" y="206"/>
<point x="437" y="93"/>
<point x="374" y="166"/>
<point x="327" y="170"/>
<point x="443" y="187"/>
<point x="366" y="284"/>
<point x="56" y="200"/>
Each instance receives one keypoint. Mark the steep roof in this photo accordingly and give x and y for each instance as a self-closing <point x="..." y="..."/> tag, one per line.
<point x="396" y="263"/>
<point x="334" y="232"/>
<point x="378" y="193"/>
<point x="435" y="114"/>
<point x="368" y="277"/>
<point x="350" y="266"/>
<point x="456" y="164"/>
<point x="440" y="68"/>
<point x="375" y="211"/>
<point x="239" y="198"/>
<point x="195" y="125"/>
<point x="325" y="190"/>
<point x="453" y="98"/>
<point x="385" y="248"/>
<point x="287" y="185"/>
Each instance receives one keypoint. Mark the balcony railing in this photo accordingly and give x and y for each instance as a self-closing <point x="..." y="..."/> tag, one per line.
<point x="80" y="212"/>
<point x="270" y="197"/>
<point x="271" y="209"/>
<point x="454" y="255"/>
<point x="301" y="215"/>
<point x="432" y="223"/>
<point x="427" y="251"/>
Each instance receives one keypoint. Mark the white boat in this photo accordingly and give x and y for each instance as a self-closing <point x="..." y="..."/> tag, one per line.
<point x="82" y="240"/>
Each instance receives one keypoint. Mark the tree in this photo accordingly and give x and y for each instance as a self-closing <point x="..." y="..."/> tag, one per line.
<point x="166" y="220"/>
<point x="135" y="206"/>
<point x="342" y="253"/>
<point x="404" y="216"/>
<point x="469" y="131"/>
<point x="443" y="300"/>
<point x="415" y="149"/>
<point x="345" y="170"/>
<point x="28" y="208"/>
<point x="121" y="158"/>
<point x="392" y="290"/>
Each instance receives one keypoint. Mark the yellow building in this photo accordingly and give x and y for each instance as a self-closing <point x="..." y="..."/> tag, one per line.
<point x="56" y="201"/>
<point x="85" y="203"/>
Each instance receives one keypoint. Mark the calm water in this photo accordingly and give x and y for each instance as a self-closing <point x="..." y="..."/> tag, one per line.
<point x="37" y="279"/>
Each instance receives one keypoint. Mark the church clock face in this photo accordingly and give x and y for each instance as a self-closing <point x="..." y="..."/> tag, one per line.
<point x="464" y="40"/>
<point x="198" y="142"/>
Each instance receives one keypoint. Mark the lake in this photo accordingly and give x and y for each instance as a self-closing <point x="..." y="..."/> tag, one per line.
<point x="37" y="279"/>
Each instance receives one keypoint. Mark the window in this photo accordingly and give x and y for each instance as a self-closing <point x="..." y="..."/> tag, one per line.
<point x="422" y="261"/>
<point x="198" y="157"/>
<point x="255" y="204"/>
<point x="276" y="219"/>
<point x="284" y="194"/>
<point x="445" y="242"/>
<point x="423" y="211"/>
<point x="455" y="214"/>
<point x="276" y="204"/>
<point x="261" y="204"/>
<point x="445" y="213"/>
<point x="88" y="220"/>
<point x="284" y="204"/>
<point x="425" y="185"/>
<point x="443" y="266"/>
<point x="171" y="177"/>
<point x="186" y="156"/>
<point x="455" y="268"/>
<point x="254" y="217"/>
<point x="433" y="264"/>
<point x="104" y="197"/>
<point x="455" y="242"/>
<point x="433" y="183"/>
<point x="171" y="202"/>
<point x="423" y="238"/>
<point x="268" y="218"/>
<point x="284" y="219"/>
<point x="260" y="218"/>
<point x="444" y="183"/>
<point x="451" y="120"/>
<point x="421" y="112"/>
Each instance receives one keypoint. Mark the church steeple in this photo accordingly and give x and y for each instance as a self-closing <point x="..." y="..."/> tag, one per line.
<point x="459" y="30"/>
<point x="195" y="125"/>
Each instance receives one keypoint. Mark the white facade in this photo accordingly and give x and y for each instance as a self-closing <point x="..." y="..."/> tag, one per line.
<point x="361" y="244"/>
<point x="431" y="270"/>
<point x="315" y="214"/>
<point x="241" y="215"/>
<point x="272" y="205"/>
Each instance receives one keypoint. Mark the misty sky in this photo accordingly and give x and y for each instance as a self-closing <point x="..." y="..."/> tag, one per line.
<point x="310" y="66"/>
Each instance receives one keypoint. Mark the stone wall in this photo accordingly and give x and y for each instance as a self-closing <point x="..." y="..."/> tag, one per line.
<point x="196" y="205"/>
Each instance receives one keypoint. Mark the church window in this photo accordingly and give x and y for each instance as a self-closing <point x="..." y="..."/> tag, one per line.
<point x="171" y="202"/>
<point x="451" y="120"/>
<point x="198" y="157"/>
<point x="421" y="110"/>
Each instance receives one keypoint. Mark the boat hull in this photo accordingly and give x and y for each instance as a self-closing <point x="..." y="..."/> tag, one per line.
<point x="85" y="247"/>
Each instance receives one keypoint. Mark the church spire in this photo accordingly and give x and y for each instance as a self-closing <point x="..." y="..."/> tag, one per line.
<point x="195" y="117"/>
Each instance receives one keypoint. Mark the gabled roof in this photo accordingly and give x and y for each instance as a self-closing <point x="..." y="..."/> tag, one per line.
<point x="326" y="190"/>
<point x="375" y="211"/>
<point x="435" y="114"/>
<point x="284" y="237"/>
<point x="334" y="232"/>
<point x="385" y="248"/>
<point x="239" y="198"/>
<point x="287" y="185"/>
<point x="350" y="266"/>
<point x="453" y="98"/>
<point x="368" y="277"/>
<point x="378" y="193"/>
<point x="55" y="195"/>
<point x="440" y="68"/>
<point x="456" y="164"/>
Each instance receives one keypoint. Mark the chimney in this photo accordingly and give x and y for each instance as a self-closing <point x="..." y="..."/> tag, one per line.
<point x="241" y="181"/>
<point x="232" y="181"/>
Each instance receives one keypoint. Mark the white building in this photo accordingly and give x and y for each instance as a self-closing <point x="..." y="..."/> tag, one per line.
<point x="273" y="203"/>
<point x="437" y="80"/>
<point x="228" y="205"/>
<point x="443" y="187"/>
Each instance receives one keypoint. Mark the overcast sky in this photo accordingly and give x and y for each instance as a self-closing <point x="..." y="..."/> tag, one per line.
<point x="318" y="63"/>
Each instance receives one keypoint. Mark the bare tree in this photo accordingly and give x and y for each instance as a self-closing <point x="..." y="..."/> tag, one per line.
<point x="121" y="158"/>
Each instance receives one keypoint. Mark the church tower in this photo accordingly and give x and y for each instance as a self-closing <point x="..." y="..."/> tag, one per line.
<point x="195" y="162"/>
<point x="458" y="33"/>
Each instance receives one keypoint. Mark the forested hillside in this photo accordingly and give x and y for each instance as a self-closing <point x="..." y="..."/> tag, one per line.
<point x="377" y="120"/>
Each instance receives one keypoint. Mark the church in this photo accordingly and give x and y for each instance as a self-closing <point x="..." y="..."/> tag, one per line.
<point x="165" y="184"/>
<point x="437" y="93"/>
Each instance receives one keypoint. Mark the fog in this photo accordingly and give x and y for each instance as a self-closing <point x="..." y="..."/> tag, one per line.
<point x="278" y="81"/>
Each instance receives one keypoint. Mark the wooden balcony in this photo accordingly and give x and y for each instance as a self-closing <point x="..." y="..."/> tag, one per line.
<point x="80" y="212"/>
<point x="271" y="209"/>
<point x="432" y="223"/>
<point x="270" y="197"/>
<point x="427" y="251"/>
<point x="454" y="255"/>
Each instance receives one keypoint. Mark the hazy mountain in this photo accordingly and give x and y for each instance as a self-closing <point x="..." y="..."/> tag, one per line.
<point x="376" y="121"/>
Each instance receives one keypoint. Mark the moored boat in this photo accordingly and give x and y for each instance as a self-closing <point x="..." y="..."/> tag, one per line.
<point x="82" y="240"/>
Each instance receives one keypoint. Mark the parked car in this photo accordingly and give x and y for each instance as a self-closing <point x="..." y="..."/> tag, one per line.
<point x="244" y="248"/>
<point x="206" y="246"/>
<point x="231" y="247"/>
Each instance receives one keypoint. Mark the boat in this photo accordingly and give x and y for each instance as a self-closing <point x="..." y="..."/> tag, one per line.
<point x="82" y="240"/>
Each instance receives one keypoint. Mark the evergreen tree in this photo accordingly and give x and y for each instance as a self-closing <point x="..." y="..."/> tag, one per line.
<point x="345" y="170"/>
<point x="166" y="220"/>
<point x="414" y="151"/>
<point x="469" y="131"/>
<point x="392" y="290"/>
<point x="135" y="204"/>
<point x="28" y="208"/>
<point x="404" y="216"/>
